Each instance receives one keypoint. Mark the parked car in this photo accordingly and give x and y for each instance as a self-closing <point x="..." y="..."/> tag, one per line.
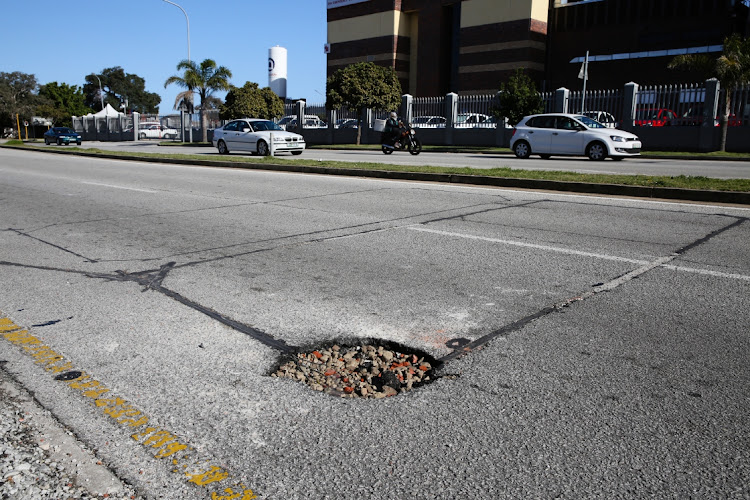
<point x="471" y="119"/>
<point x="61" y="135"/>
<point x="603" y="117"/>
<point x="346" y="123"/>
<point x="573" y="135"/>
<point x="254" y="135"/>
<point x="694" y="117"/>
<point x="656" y="117"/>
<point x="311" y="121"/>
<point x="156" y="131"/>
<point x="428" y="121"/>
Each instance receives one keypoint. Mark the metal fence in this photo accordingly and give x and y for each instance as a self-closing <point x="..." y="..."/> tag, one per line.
<point x="739" y="106"/>
<point x="475" y="111"/>
<point x="548" y="101"/>
<point x="658" y="105"/>
<point x="428" y="112"/>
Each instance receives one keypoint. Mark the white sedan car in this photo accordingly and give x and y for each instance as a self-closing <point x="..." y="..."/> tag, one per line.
<point x="571" y="135"/>
<point x="254" y="135"/>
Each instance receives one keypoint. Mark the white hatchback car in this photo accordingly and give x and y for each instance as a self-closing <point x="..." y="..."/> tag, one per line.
<point x="254" y="135"/>
<point x="571" y="135"/>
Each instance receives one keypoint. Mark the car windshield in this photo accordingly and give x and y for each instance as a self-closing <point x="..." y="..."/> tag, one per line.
<point x="63" y="130"/>
<point x="265" y="125"/>
<point x="589" y="122"/>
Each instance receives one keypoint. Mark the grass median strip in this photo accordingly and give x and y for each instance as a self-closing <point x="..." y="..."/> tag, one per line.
<point x="651" y="181"/>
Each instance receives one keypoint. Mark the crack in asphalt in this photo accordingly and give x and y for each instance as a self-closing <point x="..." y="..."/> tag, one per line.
<point x="286" y="237"/>
<point x="153" y="279"/>
<point x="604" y="287"/>
<point x="21" y="233"/>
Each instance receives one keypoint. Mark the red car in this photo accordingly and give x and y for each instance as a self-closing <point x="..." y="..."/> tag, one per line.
<point x="655" y="117"/>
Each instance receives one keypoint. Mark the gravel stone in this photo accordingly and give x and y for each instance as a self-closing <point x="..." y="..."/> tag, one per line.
<point x="26" y="471"/>
<point x="362" y="371"/>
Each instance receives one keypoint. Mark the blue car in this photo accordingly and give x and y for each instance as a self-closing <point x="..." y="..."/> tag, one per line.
<point x="61" y="135"/>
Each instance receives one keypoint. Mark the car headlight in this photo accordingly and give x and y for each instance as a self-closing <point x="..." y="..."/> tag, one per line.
<point x="617" y="138"/>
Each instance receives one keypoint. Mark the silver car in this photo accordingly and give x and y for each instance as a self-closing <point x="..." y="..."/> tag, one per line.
<point x="256" y="135"/>
<point x="571" y="135"/>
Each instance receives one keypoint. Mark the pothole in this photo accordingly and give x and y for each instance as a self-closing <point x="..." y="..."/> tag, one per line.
<point x="366" y="369"/>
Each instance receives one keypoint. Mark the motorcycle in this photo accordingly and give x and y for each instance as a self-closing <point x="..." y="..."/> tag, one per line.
<point x="407" y="139"/>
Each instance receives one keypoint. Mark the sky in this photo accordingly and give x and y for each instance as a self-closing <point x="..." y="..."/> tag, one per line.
<point x="63" y="41"/>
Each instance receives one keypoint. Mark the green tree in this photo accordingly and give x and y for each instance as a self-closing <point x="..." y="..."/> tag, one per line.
<point x="60" y="102"/>
<point x="518" y="98"/>
<point x="731" y="68"/>
<point x="17" y="96"/>
<point x="203" y="79"/>
<point x="120" y="87"/>
<point x="361" y="86"/>
<point x="251" y="101"/>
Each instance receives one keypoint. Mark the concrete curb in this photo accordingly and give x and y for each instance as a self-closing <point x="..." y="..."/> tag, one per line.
<point x="734" y="197"/>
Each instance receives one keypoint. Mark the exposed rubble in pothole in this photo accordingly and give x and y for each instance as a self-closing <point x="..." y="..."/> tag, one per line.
<point x="363" y="371"/>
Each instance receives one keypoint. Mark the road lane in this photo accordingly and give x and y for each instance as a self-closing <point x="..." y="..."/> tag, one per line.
<point x="720" y="169"/>
<point x="633" y="385"/>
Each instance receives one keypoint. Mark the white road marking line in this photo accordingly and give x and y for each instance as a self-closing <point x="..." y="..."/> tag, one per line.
<point x="647" y="265"/>
<point x="119" y="187"/>
<point x="547" y="248"/>
<point x="708" y="272"/>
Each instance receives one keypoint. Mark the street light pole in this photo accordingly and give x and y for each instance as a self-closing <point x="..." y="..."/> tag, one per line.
<point x="101" y="93"/>
<point x="188" y="24"/>
<point x="188" y="40"/>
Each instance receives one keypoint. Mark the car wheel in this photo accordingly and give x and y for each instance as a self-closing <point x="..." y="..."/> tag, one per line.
<point x="46" y="141"/>
<point x="597" y="151"/>
<point x="522" y="149"/>
<point x="222" y="147"/>
<point x="263" y="148"/>
<point x="386" y="150"/>
<point x="142" y="136"/>
<point x="296" y="153"/>
<point x="59" y="142"/>
<point x="546" y="157"/>
<point x="78" y="142"/>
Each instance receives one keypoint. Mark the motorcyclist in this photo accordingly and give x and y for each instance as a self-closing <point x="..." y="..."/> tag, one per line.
<point x="392" y="130"/>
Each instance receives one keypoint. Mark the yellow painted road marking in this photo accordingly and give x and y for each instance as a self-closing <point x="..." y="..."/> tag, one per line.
<point x="160" y="442"/>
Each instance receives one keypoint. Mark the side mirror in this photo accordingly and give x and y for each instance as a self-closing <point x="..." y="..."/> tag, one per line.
<point x="246" y="129"/>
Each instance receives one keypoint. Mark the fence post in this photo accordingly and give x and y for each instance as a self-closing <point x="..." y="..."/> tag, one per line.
<point x="629" y="103"/>
<point x="300" y="116"/>
<point x="707" y="136"/>
<point x="137" y="125"/>
<point x="366" y="118"/>
<point x="331" y="116"/>
<point x="562" y="96"/>
<point x="451" y="115"/>
<point x="407" y="108"/>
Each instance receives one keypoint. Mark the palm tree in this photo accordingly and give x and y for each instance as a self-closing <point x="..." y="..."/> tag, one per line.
<point x="203" y="80"/>
<point x="731" y="68"/>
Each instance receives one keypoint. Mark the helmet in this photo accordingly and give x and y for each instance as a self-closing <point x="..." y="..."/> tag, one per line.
<point x="394" y="115"/>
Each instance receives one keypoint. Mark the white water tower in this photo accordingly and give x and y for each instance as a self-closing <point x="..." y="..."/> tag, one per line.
<point x="277" y="70"/>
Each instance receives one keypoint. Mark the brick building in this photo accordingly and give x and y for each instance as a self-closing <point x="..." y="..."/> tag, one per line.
<point x="440" y="46"/>
<point x="470" y="46"/>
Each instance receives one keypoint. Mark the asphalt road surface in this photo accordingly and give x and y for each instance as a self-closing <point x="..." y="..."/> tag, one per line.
<point x="720" y="169"/>
<point x="145" y="306"/>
